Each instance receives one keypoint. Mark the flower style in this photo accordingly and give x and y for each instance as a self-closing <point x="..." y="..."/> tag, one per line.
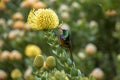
<point x="43" y="19"/>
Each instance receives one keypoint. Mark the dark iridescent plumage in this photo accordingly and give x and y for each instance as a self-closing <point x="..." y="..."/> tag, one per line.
<point x="65" y="40"/>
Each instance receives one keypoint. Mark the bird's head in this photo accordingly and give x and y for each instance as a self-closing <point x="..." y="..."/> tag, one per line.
<point x="64" y="32"/>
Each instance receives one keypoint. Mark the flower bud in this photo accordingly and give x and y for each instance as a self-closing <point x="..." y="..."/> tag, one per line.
<point x="2" y="5"/>
<point x="76" y="5"/>
<point x="50" y="62"/>
<point x="32" y="50"/>
<point x="80" y="22"/>
<point x="90" y="49"/>
<point x="5" y="35"/>
<point x="5" y="55"/>
<point x="63" y="8"/>
<point x="2" y="22"/>
<point x="27" y="27"/>
<point x="93" y="24"/>
<point x="16" y="55"/>
<point x="39" y="5"/>
<point x="11" y="56"/>
<point x="110" y="13"/>
<point x="97" y="73"/>
<point x="65" y="15"/>
<point x="10" y="22"/>
<point x="12" y="34"/>
<point x="21" y="33"/>
<point x="3" y="75"/>
<point x="16" y="73"/>
<point x="60" y="75"/>
<point x="17" y="16"/>
<point x="24" y="4"/>
<point x="81" y="55"/>
<point x="38" y="61"/>
<point x="5" y="1"/>
<point x="28" y="3"/>
<point x="18" y="25"/>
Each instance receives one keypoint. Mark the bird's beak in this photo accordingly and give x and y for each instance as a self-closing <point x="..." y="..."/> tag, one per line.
<point x="60" y="30"/>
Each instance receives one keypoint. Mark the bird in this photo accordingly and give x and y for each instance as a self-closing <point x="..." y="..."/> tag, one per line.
<point x="64" y="39"/>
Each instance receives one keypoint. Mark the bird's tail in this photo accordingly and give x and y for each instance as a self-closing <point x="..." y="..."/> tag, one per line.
<point x="71" y="55"/>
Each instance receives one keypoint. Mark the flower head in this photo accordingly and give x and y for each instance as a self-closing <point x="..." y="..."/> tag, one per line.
<point x="32" y="50"/>
<point x="5" y="55"/>
<point x="3" y="75"/>
<point x="18" y="25"/>
<point x="43" y="19"/>
<point x="15" y="55"/>
<point x="16" y="73"/>
<point x="17" y="16"/>
<point x="90" y="48"/>
<point x="97" y="73"/>
<point x="39" y="5"/>
<point x="2" y="5"/>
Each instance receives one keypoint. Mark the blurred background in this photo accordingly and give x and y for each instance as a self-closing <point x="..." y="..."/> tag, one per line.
<point x="95" y="35"/>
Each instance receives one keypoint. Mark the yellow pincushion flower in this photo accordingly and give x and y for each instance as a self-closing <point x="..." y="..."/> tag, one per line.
<point x="16" y="73"/>
<point x="2" y="5"/>
<point x="43" y="19"/>
<point x="32" y="50"/>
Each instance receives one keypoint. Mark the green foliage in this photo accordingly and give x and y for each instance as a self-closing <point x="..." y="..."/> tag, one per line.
<point x="63" y="62"/>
